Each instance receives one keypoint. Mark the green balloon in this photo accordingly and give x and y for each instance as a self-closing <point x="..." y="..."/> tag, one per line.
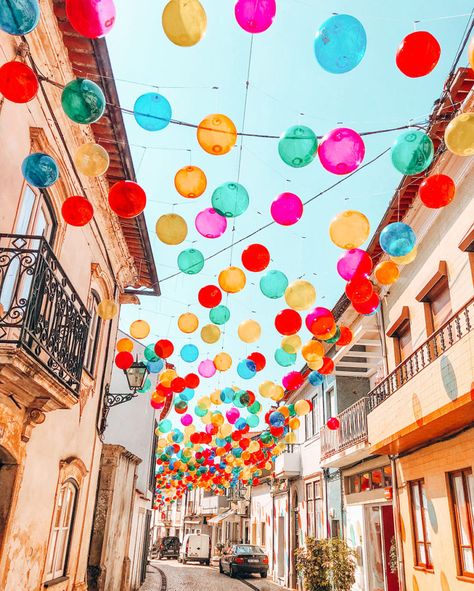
<point x="230" y="200"/>
<point x="266" y="437"/>
<point x="252" y="421"/>
<point x="200" y="412"/>
<point x="284" y="359"/>
<point x="273" y="284"/>
<point x="412" y="152"/>
<point x="298" y="146"/>
<point x="164" y="426"/>
<point x="83" y="101"/>
<point x="190" y="261"/>
<point x="150" y="354"/>
<point x="255" y="408"/>
<point x="335" y="338"/>
<point x="219" y="314"/>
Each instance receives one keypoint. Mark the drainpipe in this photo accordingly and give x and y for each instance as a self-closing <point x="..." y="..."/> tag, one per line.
<point x="290" y="541"/>
<point x="398" y="525"/>
<point x="273" y="532"/>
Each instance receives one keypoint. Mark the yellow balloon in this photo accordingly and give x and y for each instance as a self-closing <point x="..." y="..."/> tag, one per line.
<point x="171" y="228"/>
<point x="300" y="295"/>
<point x="184" y="22"/>
<point x="349" y="229"/>
<point x="278" y="393"/>
<point x="315" y="365"/>
<point x="226" y="430"/>
<point x="232" y="279"/>
<point x="124" y="345"/>
<point x="249" y="331"/>
<point x="166" y="377"/>
<point x="406" y="259"/>
<point x="222" y="361"/>
<point x="204" y="402"/>
<point x="459" y="135"/>
<point x="206" y="419"/>
<point x="291" y="437"/>
<point x="276" y="451"/>
<point x="265" y="388"/>
<point x="217" y="419"/>
<point x="312" y="351"/>
<point x="291" y="344"/>
<point x="216" y="397"/>
<point x="302" y="407"/>
<point x="107" y="309"/>
<point x="91" y="159"/>
<point x="254" y="446"/>
<point x="294" y="423"/>
<point x="188" y="322"/>
<point x="139" y="329"/>
<point x="210" y="333"/>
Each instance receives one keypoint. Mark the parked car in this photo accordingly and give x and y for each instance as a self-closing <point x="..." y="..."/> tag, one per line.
<point x="195" y="547"/>
<point x="169" y="547"/>
<point x="244" y="558"/>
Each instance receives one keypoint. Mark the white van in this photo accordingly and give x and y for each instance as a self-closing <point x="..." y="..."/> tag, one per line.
<point x="195" y="548"/>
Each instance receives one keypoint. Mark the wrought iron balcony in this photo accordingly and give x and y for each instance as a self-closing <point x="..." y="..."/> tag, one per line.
<point x="457" y="327"/>
<point x="40" y="311"/>
<point x="352" y="430"/>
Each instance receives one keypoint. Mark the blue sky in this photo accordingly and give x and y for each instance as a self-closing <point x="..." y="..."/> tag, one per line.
<point x="287" y="86"/>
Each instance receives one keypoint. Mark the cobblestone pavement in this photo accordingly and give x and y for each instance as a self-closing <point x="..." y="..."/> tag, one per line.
<point x="193" y="577"/>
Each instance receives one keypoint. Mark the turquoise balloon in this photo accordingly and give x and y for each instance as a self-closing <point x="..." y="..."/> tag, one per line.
<point x="200" y="412"/>
<point x="164" y="426"/>
<point x="246" y="369"/>
<point x="155" y="366"/>
<point x="255" y="408"/>
<point x="273" y="284"/>
<point x="190" y="261"/>
<point x="152" y="111"/>
<point x="219" y="314"/>
<point x="412" y="152"/>
<point x="187" y="394"/>
<point x="285" y="359"/>
<point x="189" y="353"/>
<point x="252" y="421"/>
<point x="397" y="239"/>
<point x="19" y="17"/>
<point x="227" y="395"/>
<point x="230" y="200"/>
<point x="340" y="44"/>
<point x="40" y="170"/>
<point x="298" y="146"/>
<point x="83" y="101"/>
<point x="150" y="354"/>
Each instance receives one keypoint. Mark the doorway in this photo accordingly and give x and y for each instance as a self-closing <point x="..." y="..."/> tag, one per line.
<point x="379" y="533"/>
<point x="281" y="548"/>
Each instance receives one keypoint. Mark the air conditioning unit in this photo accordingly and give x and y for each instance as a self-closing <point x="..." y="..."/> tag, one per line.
<point x="242" y="507"/>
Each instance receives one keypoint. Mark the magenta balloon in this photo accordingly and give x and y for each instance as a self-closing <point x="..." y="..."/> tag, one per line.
<point x="255" y="16"/>
<point x="232" y="415"/>
<point x="207" y="368"/>
<point x="317" y="314"/>
<point x="341" y="150"/>
<point x="210" y="224"/>
<point x="287" y="209"/>
<point x="354" y="262"/>
<point x="186" y="420"/>
<point x="91" y="18"/>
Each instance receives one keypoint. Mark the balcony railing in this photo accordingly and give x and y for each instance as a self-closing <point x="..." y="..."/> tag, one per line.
<point x="40" y="311"/>
<point x="457" y="327"/>
<point x="352" y="430"/>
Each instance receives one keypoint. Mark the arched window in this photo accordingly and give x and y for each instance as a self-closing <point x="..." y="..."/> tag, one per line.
<point x="60" y="539"/>
<point x="35" y="216"/>
<point x="93" y="336"/>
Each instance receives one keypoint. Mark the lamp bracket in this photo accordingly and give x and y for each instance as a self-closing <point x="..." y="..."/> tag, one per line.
<point x="110" y="400"/>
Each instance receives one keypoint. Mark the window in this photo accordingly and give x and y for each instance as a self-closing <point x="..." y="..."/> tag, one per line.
<point x="462" y="498"/>
<point x="331" y="410"/>
<point x="263" y="533"/>
<point x="420" y="521"/>
<point x="370" y="480"/>
<point x="314" y="509"/>
<point x="93" y="336"/>
<point x="440" y="304"/>
<point x="312" y="424"/>
<point x="36" y="216"/>
<point x="61" y="532"/>
<point x="403" y="343"/>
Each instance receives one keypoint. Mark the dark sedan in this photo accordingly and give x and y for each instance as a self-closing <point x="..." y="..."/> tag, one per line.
<point x="244" y="558"/>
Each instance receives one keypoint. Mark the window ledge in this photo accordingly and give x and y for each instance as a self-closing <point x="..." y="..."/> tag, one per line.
<point x="311" y="439"/>
<point x="54" y="582"/>
<point x="465" y="578"/>
<point x="424" y="569"/>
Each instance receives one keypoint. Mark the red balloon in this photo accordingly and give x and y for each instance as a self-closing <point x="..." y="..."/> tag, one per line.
<point x="18" y="82"/>
<point x="437" y="190"/>
<point x="258" y="359"/>
<point x="164" y="390"/>
<point x="156" y="406"/>
<point x="345" y="336"/>
<point x="255" y="258"/>
<point x="77" y="211"/>
<point x="368" y="307"/>
<point x="191" y="380"/>
<point x="164" y="348"/>
<point x="210" y="296"/>
<point x="178" y="384"/>
<point x="327" y="367"/>
<point x="91" y="18"/>
<point x="252" y="397"/>
<point x="123" y="360"/>
<point x="127" y="199"/>
<point x="288" y="322"/>
<point x="418" y="54"/>
<point x="333" y="423"/>
<point x="320" y="321"/>
<point x="359" y="289"/>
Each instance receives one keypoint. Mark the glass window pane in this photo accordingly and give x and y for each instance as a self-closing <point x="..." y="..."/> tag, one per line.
<point x="426" y="517"/>
<point x="428" y="550"/>
<point x="317" y="489"/>
<point x="470" y="490"/>
<point x="26" y="211"/>
<point x="467" y="560"/>
<point x="377" y="479"/>
<point x="421" y="553"/>
<point x="52" y="545"/>
<point x="365" y="482"/>
<point x="60" y="553"/>
<point x="388" y="475"/>
<point x="462" y="510"/>
<point x="416" y="505"/>
<point x="356" y="483"/>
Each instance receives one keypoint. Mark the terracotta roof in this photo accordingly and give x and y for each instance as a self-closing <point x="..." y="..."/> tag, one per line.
<point x="90" y="59"/>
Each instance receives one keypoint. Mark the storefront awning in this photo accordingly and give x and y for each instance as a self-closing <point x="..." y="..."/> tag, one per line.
<point x="222" y="517"/>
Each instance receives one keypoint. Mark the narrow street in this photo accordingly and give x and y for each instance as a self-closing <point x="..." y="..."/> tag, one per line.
<point x="195" y="577"/>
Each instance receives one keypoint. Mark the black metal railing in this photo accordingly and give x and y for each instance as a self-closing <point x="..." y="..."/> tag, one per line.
<point x="352" y="430"/>
<point x="457" y="327"/>
<point x="40" y="311"/>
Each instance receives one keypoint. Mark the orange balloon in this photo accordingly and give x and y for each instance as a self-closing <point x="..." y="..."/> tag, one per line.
<point x="232" y="279"/>
<point x="386" y="272"/>
<point x="328" y="335"/>
<point x="312" y="351"/>
<point x="217" y="134"/>
<point x="124" y="345"/>
<point x="190" y="182"/>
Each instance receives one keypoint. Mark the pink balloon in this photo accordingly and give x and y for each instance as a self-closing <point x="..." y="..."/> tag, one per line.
<point x="186" y="420"/>
<point x="292" y="380"/>
<point x="232" y="415"/>
<point x="210" y="224"/>
<point x="255" y="16"/>
<point x="207" y="368"/>
<point x="341" y="150"/>
<point x="91" y="18"/>
<point x="354" y="262"/>
<point x="287" y="209"/>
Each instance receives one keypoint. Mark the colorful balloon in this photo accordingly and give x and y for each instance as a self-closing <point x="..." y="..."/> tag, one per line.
<point x="284" y="358"/>
<point x="207" y="368"/>
<point x="19" y="17"/>
<point x="223" y="361"/>
<point x="255" y="258"/>
<point x="341" y="151"/>
<point x="249" y="331"/>
<point x="91" y="18"/>
<point x="107" y="309"/>
<point x="184" y="22"/>
<point x="246" y="369"/>
<point x="255" y="16"/>
<point x="139" y="329"/>
<point x="40" y="170"/>
<point x="127" y="199"/>
<point x="152" y="111"/>
<point x="189" y="353"/>
<point x="320" y="322"/>
<point x="210" y="296"/>
<point x="369" y="307"/>
<point x="349" y="229"/>
<point x="354" y="262"/>
<point x="232" y="280"/>
<point x="83" y="101"/>
<point x="437" y="191"/>
<point x="291" y="343"/>
<point x="18" y="82"/>
<point x="188" y="322"/>
<point x="123" y="360"/>
<point x="300" y="295"/>
<point x="412" y="152"/>
<point x="292" y="380"/>
<point x="359" y="289"/>
<point x="217" y="135"/>
<point x="219" y="315"/>
<point x="190" y="182"/>
<point x="345" y="336"/>
<point x="92" y="160"/>
<point x="258" y="359"/>
<point x="312" y="351"/>
<point x="230" y="200"/>
<point x="164" y="348"/>
<point x="190" y="261"/>
<point x="77" y="211"/>
<point x="315" y="378"/>
<point x="286" y="209"/>
<point x="210" y="333"/>
<point x="386" y="272"/>
<point x="171" y="228"/>
<point x="288" y="322"/>
<point x="333" y="423"/>
<point x="302" y="407"/>
<point x="327" y="366"/>
<point x="210" y="224"/>
<point x="298" y="146"/>
<point x="459" y="135"/>
<point x="273" y="284"/>
<point x="418" y="54"/>
<point x="340" y="44"/>
<point x="397" y="239"/>
<point x="406" y="259"/>
<point x="124" y="344"/>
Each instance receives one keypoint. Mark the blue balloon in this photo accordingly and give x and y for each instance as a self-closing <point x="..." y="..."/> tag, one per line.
<point x="340" y="44"/>
<point x="152" y="111"/>
<point x="155" y="366"/>
<point x="40" y="170"/>
<point x="246" y="369"/>
<point x="227" y="395"/>
<point x="19" y="17"/>
<point x="187" y="394"/>
<point x="397" y="239"/>
<point x="277" y="419"/>
<point x="189" y="353"/>
<point x="284" y="359"/>
<point x="240" y="424"/>
<point x="315" y="378"/>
